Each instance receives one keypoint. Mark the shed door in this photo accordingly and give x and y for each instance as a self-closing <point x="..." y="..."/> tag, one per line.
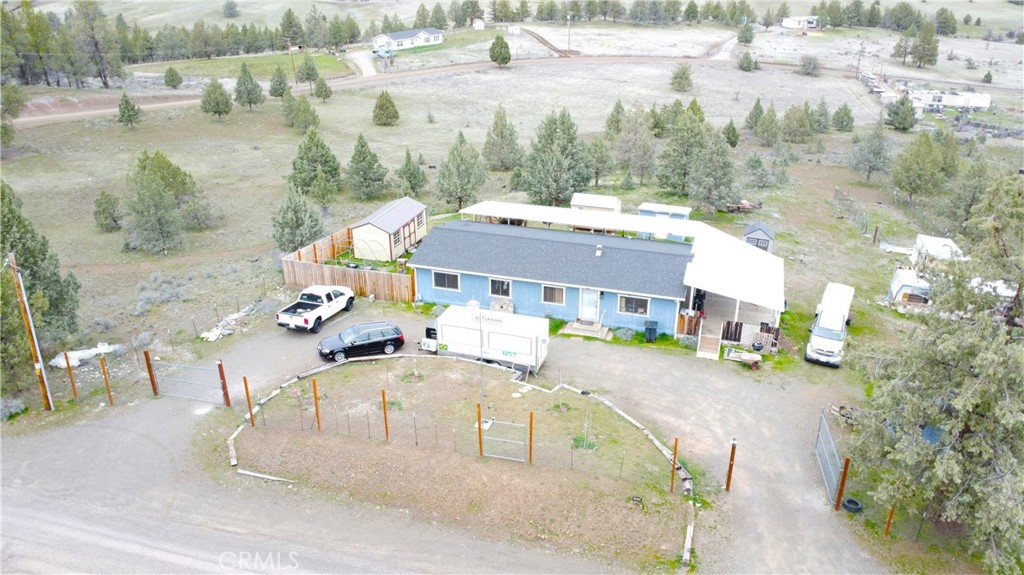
<point x="409" y="234"/>
<point x="590" y="301"/>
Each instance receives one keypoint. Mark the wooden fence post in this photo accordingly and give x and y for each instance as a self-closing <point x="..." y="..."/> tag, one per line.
<point x="71" y="376"/>
<point x="842" y="484"/>
<point x="152" y="374"/>
<point x="106" y="380"/>
<point x="223" y="383"/>
<point x="732" y="459"/>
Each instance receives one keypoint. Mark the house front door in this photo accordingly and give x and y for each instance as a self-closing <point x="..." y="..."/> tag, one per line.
<point x="590" y="301"/>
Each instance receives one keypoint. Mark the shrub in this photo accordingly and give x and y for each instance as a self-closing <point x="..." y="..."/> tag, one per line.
<point x="748" y="63"/>
<point x="809" y="66"/>
<point x="11" y="408"/>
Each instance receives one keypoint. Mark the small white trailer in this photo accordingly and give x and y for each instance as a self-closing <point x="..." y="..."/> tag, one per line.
<point x="516" y="341"/>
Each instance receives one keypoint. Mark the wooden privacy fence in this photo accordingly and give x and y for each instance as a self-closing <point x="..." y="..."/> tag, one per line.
<point x="306" y="267"/>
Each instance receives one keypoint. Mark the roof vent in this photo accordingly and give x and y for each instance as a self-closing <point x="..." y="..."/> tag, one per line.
<point x="598" y="253"/>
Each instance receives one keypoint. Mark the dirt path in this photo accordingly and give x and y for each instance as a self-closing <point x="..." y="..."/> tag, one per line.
<point x="363" y="60"/>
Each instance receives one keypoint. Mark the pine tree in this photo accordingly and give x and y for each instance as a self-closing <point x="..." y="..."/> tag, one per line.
<point x="172" y="79"/>
<point x="558" y="165"/>
<point x="288" y="108"/>
<point x="502" y="150"/>
<point x="682" y="78"/>
<point x="365" y="174"/>
<point x="40" y="270"/>
<point x="307" y="72"/>
<point x="304" y="117"/>
<point x="732" y="135"/>
<point x="796" y="125"/>
<point x="987" y="78"/>
<point x="746" y="35"/>
<point x="190" y="201"/>
<point x="747" y="63"/>
<point x="842" y="120"/>
<point x="296" y="224"/>
<point x="412" y="175"/>
<point x="918" y="169"/>
<point x="322" y="90"/>
<point x="247" y="90"/>
<point x="384" y="111"/>
<point x="323" y="191"/>
<point x="601" y="153"/>
<point x="155" y="225"/>
<point x="678" y="161"/>
<point x="901" y="115"/>
<point x="230" y="9"/>
<point x="461" y="175"/>
<point x="754" y="116"/>
<point x="422" y="17"/>
<point x="613" y="123"/>
<point x="695" y="109"/>
<point x="216" y="100"/>
<point x="128" y="112"/>
<point x="821" y="118"/>
<point x="107" y="212"/>
<point x="313" y="157"/>
<point x="500" y="52"/>
<point x="278" y="82"/>
<point x="871" y="154"/>
<point x="925" y="49"/>
<point x="437" y="18"/>
<point x="768" y="129"/>
<point x="634" y="146"/>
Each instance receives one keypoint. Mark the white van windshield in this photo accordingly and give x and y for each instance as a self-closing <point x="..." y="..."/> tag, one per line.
<point x="828" y="326"/>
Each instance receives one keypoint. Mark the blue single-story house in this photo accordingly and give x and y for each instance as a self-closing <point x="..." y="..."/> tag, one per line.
<point x="593" y="279"/>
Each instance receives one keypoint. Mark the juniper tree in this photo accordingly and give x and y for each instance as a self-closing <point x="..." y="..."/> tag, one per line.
<point x="842" y="120"/>
<point x="365" y="174"/>
<point x="385" y="113"/>
<point x="754" y="116"/>
<point x="682" y="78"/>
<point x="107" y="212"/>
<point x="558" y="164"/>
<point x="304" y="116"/>
<point x="502" y="150"/>
<point x="296" y="224"/>
<point x="216" y="100"/>
<point x="500" y="52"/>
<point x="918" y="169"/>
<point x="871" y="154"/>
<point x="768" y="129"/>
<point x="601" y="153"/>
<point x="322" y="90"/>
<point x="796" y="125"/>
<point x="634" y="146"/>
<point x="172" y="79"/>
<point x="278" y="82"/>
<point x="461" y="175"/>
<point x="312" y="158"/>
<point x="288" y="108"/>
<point x="155" y="224"/>
<point x="248" y="91"/>
<point x="128" y="112"/>
<point x="412" y="175"/>
<point x="307" y="72"/>
<point x="323" y="190"/>
<point x="732" y="135"/>
<point x="613" y="123"/>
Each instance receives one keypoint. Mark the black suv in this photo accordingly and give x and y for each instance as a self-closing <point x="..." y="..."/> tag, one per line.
<point x="362" y="339"/>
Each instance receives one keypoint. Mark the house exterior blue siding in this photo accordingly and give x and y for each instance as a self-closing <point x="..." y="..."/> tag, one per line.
<point x="527" y="297"/>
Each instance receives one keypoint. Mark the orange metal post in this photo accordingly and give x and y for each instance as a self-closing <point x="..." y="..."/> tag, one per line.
<point x="248" y="399"/>
<point x="732" y="460"/>
<point x="106" y="379"/>
<point x="531" y="438"/>
<point x="384" y="402"/>
<point x="675" y="454"/>
<point x="842" y="483"/>
<point x="71" y="375"/>
<point x="223" y="383"/>
<point x="30" y="330"/>
<point x="888" y="523"/>
<point x="480" y="430"/>
<point x="316" y="407"/>
<point x="152" y="375"/>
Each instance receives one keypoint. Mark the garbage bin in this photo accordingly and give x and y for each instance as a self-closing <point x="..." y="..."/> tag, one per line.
<point x="650" y="331"/>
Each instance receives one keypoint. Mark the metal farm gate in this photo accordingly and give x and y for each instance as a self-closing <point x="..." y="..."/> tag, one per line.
<point x="828" y="459"/>
<point x="192" y="381"/>
<point x="505" y="440"/>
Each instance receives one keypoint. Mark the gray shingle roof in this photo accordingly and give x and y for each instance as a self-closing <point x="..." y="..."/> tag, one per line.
<point x="759" y="226"/>
<point x="406" y="34"/>
<point x="393" y="215"/>
<point x="625" y="265"/>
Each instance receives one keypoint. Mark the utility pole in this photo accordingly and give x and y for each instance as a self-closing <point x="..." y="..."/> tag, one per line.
<point x="295" y="73"/>
<point x="30" y="329"/>
<point x="568" y="32"/>
<point x="860" y="54"/>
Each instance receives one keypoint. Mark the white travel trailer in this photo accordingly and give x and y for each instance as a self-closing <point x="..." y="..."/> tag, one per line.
<point x="828" y="331"/>
<point x="516" y="341"/>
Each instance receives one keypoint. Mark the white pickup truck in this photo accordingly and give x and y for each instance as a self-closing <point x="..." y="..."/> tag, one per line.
<point x="316" y="304"/>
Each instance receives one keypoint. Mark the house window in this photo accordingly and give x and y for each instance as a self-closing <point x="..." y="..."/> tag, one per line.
<point x="419" y="220"/>
<point x="397" y="238"/>
<point x="446" y="281"/>
<point x="752" y="241"/>
<point x="501" y="288"/>
<point x="762" y="243"/>
<point x="633" y="305"/>
<point x="552" y="294"/>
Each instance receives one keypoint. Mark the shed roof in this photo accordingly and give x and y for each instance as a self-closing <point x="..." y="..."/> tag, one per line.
<point x="934" y="247"/>
<point x="393" y="215"/>
<point x="758" y="226"/>
<point x="625" y="265"/>
<point x="596" y="201"/>
<point x="722" y="263"/>
<point x="406" y="34"/>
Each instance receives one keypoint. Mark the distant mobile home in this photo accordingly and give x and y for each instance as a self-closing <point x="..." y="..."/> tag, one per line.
<point x="406" y="39"/>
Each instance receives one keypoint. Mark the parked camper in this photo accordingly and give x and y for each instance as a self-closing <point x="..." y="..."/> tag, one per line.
<point x="828" y="331"/>
<point x="516" y="341"/>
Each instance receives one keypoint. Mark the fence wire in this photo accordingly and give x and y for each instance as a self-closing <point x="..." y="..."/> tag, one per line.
<point x="828" y="459"/>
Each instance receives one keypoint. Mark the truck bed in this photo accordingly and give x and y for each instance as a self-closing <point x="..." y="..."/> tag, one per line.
<point x="299" y="308"/>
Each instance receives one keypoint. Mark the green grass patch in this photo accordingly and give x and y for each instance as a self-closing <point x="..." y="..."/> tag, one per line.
<point x="795" y="325"/>
<point x="260" y="66"/>
<point x="555" y="325"/>
<point x="347" y="259"/>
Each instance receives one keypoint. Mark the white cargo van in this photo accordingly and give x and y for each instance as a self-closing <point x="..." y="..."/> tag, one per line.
<point x="828" y="331"/>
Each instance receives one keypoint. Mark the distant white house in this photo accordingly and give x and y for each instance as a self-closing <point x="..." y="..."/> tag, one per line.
<point x="800" y="22"/>
<point x="599" y="202"/>
<point x="406" y="39"/>
<point x="935" y="100"/>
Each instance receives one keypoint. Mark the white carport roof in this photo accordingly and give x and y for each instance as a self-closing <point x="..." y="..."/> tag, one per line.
<point x="722" y="264"/>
